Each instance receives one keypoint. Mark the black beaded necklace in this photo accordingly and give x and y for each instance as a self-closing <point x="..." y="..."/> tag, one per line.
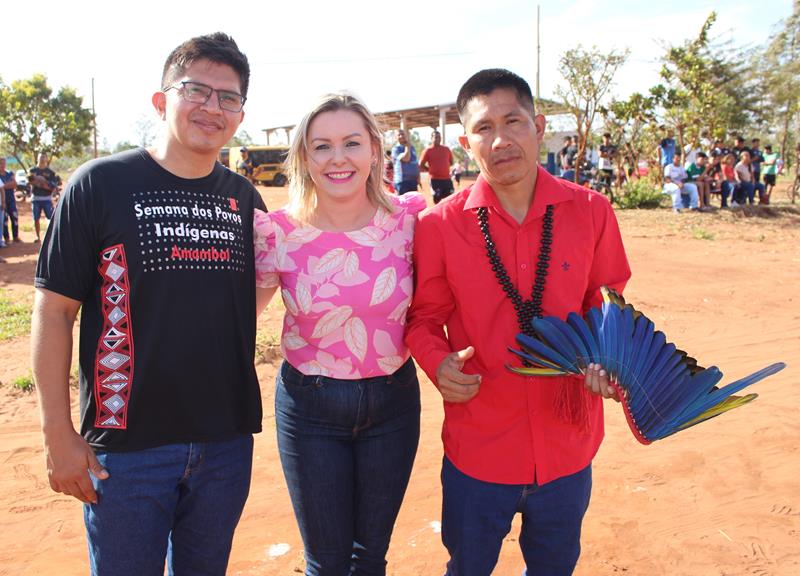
<point x="527" y="310"/>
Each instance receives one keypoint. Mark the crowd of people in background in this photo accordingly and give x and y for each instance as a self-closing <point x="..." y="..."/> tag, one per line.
<point x="43" y="183"/>
<point x="703" y="168"/>
<point x="691" y="176"/>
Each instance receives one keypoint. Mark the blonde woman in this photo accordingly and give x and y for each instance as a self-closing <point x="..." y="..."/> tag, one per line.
<point x="347" y="400"/>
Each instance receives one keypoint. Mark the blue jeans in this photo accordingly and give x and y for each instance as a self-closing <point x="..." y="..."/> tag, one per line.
<point x="477" y="515"/>
<point x="11" y="217"/>
<point x="347" y="448"/>
<point x="180" y="502"/>
<point x="405" y="186"/>
<point x="44" y="205"/>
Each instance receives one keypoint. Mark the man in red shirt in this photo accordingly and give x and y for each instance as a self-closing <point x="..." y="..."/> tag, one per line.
<point x="512" y="443"/>
<point x="436" y="160"/>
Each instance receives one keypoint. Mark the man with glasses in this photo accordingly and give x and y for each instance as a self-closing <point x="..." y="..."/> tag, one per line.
<point x="155" y="247"/>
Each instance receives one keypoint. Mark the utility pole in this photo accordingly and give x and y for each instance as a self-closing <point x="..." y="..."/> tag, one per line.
<point x="94" y="121"/>
<point x="538" y="52"/>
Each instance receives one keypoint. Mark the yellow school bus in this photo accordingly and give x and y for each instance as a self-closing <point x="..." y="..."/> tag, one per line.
<point x="267" y="162"/>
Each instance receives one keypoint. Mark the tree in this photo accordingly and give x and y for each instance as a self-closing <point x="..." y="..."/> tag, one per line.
<point x="704" y="87"/>
<point x="32" y="120"/>
<point x="588" y="74"/>
<point x="145" y="128"/>
<point x="779" y="67"/>
<point x="242" y="138"/>
<point x="627" y="122"/>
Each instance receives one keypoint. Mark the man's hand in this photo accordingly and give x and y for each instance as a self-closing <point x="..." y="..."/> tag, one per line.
<point x="453" y="384"/>
<point x="69" y="461"/>
<point x="596" y="381"/>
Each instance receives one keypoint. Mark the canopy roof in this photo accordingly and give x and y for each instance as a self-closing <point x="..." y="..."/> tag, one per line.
<point x="428" y="116"/>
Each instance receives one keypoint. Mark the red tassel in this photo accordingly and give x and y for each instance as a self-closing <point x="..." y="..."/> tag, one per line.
<point x="573" y="404"/>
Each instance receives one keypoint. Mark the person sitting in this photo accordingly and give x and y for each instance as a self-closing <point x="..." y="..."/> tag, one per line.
<point x="697" y="174"/>
<point x="676" y="184"/>
<point x="729" y="185"/>
<point x="714" y="175"/>
<point x="746" y="180"/>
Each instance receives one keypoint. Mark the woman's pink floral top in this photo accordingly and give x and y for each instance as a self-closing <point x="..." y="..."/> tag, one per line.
<point x="346" y="293"/>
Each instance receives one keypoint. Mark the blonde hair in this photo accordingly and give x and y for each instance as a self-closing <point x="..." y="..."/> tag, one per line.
<point x="302" y="194"/>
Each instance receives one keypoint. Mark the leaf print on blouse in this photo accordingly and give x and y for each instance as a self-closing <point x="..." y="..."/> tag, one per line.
<point x="355" y="337"/>
<point x="385" y="284"/>
<point x="303" y="294"/>
<point x="332" y="320"/>
<point x="388" y="360"/>
<point x="330" y="262"/>
<point x="327" y="364"/>
<point x="289" y="302"/>
<point x="351" y="274"/>
<point x="293" y="341"/>
<point x="300" y="236"/>
<point x="367" y="236"/>
<point x="382" y="341"/>
<point x="390" y="364"/>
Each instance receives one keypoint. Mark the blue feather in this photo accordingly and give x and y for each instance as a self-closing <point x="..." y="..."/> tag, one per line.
<point x="717" y="396"/>
<point x="580" y="327"/>
<point x="540" y="348"/>
<point x="535" y="359"/>
<point x="554" y="338"/>
<point x="566" y="330"/>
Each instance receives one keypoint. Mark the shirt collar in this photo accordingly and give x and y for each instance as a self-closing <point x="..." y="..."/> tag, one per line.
<point x="548" y="190"/>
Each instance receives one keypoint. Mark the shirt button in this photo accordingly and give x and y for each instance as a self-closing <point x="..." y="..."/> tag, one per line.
<point x="524" y="266"/>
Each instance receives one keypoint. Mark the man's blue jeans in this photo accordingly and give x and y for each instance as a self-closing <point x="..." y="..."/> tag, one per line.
<point x="477" y="515"/>
<point x="347" y="448"/>
<point x="179" y="502"/>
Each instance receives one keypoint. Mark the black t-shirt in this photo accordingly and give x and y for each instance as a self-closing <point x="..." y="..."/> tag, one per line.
<point x="49" y="176"/>
<point x="164" y="269"/>
<point x="607" y="154"/>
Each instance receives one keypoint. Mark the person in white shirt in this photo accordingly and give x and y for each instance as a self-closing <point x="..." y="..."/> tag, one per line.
<point x="684" y="194"/>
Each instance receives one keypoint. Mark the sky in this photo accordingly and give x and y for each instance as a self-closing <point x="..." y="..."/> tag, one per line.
<point x="394" y="55"/>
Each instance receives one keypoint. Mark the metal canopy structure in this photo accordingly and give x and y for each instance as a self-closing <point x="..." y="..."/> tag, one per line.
<point x="436" y="116"/>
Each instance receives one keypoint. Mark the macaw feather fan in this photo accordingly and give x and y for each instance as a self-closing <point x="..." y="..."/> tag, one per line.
<point x="662" y="389"/>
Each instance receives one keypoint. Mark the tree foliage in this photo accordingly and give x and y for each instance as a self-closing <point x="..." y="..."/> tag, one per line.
<point x="33" y="120"/>
<point x="627" y="121"/>
<point x="588" y="74"/>
<point x="778" y="64"/>
<point x="704" y="87"/>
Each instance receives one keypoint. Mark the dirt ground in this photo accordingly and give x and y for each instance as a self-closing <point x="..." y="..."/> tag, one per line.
<point x="720" y="499"/>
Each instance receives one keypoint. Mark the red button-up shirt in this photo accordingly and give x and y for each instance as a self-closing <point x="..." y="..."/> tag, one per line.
<point x="512" y="431"/>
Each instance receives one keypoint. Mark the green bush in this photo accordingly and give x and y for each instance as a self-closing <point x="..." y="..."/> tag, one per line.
<point x="24" y="383"/>
<point x="640" y="194"/>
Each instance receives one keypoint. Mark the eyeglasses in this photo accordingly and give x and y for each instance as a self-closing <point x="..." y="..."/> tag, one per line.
<point x="200" y="93"/>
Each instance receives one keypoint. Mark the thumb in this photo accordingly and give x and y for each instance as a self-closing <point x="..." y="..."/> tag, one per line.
<point x="465" y="354"/>
<point x="96" y="468"/>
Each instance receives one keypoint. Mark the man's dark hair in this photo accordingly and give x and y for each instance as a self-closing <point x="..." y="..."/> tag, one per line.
<point x="218" y="48"/>
<point x="768" y="147"/>
<point x="702" y="155"/>
<point x="607" y="135"/>
<point x="487" y="81"/>
<point x="739" y="139"/>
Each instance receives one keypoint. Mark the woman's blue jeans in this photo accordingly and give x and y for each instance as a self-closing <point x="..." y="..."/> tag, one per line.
<point x="347" y="448"/>
<point x="179" y="502"/>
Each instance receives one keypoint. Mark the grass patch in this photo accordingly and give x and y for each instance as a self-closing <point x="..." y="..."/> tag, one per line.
<point x="23" y="383"/>
<point x="268" y="345"/>
<point x="15" y="317"/>
<point x="702" y="234"/>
